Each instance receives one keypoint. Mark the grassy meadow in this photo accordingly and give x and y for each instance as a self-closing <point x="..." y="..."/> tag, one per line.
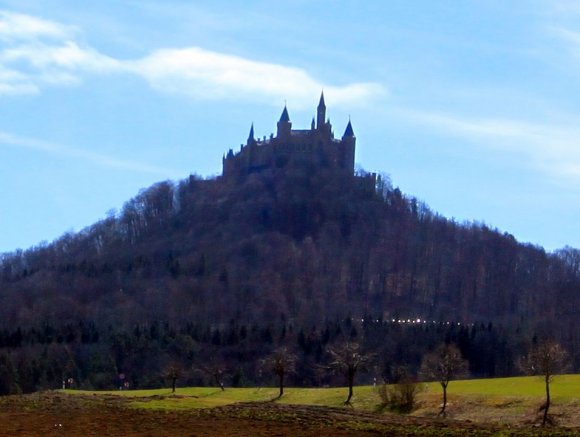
<point x="502" y="400"/>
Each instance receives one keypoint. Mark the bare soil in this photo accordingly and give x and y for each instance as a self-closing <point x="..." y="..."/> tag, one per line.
<point x="57" y="414"/>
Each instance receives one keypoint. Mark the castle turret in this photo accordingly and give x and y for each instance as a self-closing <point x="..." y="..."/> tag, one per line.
<point x="284" y="125"/>
<point x="251" y="139"/>
<point x="348" y="145"/>
<point x="348" y="132"/>
<point x="321" y="112"/>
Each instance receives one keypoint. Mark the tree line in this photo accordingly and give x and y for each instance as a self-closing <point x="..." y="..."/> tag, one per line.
<point x="90" y="356"/>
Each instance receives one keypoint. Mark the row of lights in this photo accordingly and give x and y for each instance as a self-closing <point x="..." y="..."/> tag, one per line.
<point x="416" y="321"/>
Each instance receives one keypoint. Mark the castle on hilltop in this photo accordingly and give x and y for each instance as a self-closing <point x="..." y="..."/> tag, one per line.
<point x="315" y="148"/>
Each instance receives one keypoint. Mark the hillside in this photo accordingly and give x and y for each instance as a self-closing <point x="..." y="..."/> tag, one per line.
<point x="296" y="252"/>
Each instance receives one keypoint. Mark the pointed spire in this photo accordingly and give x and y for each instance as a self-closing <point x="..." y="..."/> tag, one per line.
<point x="251" y="136"/>
<point x="312" y="125"/>
<point x="321" y="104"/>
<point x="284" y="125"/>
<point x="321" y="112"/>
<point x="284" y="116"/>
<point x="348" y="132"/>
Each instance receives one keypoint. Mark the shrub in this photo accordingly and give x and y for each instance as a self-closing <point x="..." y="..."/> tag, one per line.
<point x="402" y="396"/>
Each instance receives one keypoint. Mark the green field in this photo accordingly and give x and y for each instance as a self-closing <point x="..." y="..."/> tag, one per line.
<point x="518" y="393"/>
<point x="563" y="388"/>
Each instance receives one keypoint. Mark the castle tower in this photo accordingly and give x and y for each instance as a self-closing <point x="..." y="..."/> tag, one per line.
<point x="284" y="125"/>
<point x="348" y="145"/>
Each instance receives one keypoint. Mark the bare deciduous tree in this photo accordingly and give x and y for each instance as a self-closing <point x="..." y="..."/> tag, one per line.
<point x="173" y="373"/>
<point x="281" y="362"/>
<point x="545" y="360"/>
<point x="444" y="364"/>
<point x="347" y="359"/>
<point x="215" y="369"/>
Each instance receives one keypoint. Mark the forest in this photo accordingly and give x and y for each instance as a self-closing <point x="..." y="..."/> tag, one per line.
<point x="217" y="272"/>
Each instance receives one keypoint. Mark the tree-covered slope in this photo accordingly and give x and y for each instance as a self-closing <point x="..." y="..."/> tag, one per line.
<point x="236" y="268"/>
<point x="298" y="245"/>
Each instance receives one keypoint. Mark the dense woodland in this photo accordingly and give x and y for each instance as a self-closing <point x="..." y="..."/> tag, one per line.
<point x="224" y="271"/>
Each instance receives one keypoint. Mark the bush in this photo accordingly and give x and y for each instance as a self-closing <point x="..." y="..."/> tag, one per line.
<point x="402" y="396"/>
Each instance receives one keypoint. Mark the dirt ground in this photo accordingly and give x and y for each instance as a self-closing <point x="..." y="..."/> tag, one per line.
<point x="56" y="414"/>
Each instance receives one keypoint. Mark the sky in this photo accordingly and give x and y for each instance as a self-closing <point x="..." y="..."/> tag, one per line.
<point x="471" y="106"/>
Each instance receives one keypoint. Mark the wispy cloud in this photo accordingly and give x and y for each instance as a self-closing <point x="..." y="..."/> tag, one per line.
<point x="10" y="140"/>
<point x="43" y="53"/>
<point x="27" y="68"/>
<point x="67" y="56"/>
<point x="37" y="53"/>
<point x="551" y="149"/>
<point x="19" y="26"/>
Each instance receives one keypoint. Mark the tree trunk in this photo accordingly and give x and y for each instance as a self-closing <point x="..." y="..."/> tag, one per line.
<point x="173" y="381"/>
<point x="281" y="375"/>
<point x="442" y="412"/>
<point x="350" y="384"/>
<point x="545" y="419"/>
<point x="219" y="382"/>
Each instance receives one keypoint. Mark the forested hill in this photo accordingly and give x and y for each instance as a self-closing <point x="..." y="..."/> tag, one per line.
<point x="223" y="271"/>
<point x="298" y="246"/>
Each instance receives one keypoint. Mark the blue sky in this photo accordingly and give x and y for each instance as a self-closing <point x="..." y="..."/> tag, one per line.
<point x="473" y="107"/>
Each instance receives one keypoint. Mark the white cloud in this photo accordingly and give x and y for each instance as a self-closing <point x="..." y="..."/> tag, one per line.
<point x="210" y="75"/>
<point x="29" y="68"/>
<point x="20" y="26"/>
<point x="29" y="64"/>
<point x="551" y="149"/>
<point x="13" y="82"/>
<point x="67" y="56"/>
<point x="7" y="139"/>
<point x="44" y="53"/>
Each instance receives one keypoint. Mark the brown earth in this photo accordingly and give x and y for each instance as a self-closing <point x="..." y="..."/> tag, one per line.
<point x="56" y="414"/>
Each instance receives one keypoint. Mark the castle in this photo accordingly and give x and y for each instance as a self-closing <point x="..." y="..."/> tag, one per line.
<point x="315" y="148"/>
